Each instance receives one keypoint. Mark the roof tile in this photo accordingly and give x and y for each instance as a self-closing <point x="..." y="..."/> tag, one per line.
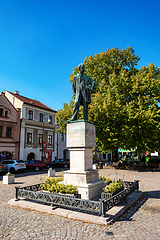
<point x="32" y="102"/>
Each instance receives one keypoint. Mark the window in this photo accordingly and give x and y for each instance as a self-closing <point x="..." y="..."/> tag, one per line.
<point x="1" y="112"/>
<point x="40" y="138"/>
<point x="62" y="137"/>
<point x="1" y="131"/>
<point x="40" y="117"/>
<point x="8" y="132"/>
<point x="50" y="139"/>
<point x="6" y="113"/>
<point x="30" y="114"/>
<point x="104" y="156"/>
<point x="50" y="119"/>
<point x="29" y="137"/>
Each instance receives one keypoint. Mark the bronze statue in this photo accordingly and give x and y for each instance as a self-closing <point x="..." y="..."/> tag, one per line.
<point x="81" y="90"/>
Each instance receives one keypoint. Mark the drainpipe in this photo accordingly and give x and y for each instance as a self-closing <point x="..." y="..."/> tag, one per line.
<point x="57" y="145"/>
<point x="20" y="124"/>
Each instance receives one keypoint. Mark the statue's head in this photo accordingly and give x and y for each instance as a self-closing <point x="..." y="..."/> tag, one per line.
<point x="81" y="67"/>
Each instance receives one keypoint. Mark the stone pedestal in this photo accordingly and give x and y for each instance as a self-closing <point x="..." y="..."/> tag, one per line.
<point x="81" y="140"/>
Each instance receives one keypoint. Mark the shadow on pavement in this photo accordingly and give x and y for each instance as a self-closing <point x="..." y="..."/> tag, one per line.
<point x="127" y="216"/>
<point x="30" y="173"/>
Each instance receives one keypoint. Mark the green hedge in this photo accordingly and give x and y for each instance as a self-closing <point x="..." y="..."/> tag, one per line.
<point x="54" y="185"/>
<point x="114" y="186"/>
<point x="107" y="180"/>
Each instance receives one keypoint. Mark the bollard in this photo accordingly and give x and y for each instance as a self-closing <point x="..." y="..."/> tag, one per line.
<point x="51" y="172"/>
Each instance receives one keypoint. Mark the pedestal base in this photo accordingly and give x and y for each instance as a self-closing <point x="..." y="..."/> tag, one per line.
<point x="91" y="190"/>
<point x="88" y="183"/>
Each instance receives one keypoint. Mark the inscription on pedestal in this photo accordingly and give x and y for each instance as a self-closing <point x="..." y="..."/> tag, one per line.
<point x="80" y="135"/>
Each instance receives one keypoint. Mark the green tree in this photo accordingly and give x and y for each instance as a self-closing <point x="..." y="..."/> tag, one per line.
<point x="124" y="104"/>
<point x="63" y="115"/>
<point x="143" y="110"/>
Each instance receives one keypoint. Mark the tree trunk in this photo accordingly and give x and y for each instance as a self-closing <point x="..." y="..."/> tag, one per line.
<point x="115" y="156"/>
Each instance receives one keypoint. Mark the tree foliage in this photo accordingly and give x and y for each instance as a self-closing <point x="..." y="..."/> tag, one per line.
<point x="124" y="105"/>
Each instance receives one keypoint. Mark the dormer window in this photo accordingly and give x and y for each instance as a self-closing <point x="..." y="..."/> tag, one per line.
<point x="30" y="115"/>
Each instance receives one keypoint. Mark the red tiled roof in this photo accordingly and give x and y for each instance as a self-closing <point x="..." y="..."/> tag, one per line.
<point x="32" y="102"/>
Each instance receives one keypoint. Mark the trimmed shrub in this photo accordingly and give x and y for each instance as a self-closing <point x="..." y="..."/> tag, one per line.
<point x="114" y="186"/>
<point x="54" y="185"/>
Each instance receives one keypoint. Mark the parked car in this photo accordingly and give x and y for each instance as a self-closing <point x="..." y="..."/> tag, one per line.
<point x="15" y="165"/>
<point x="3" y="168"/>
<point x="59" y="163"/>
<point x="35" y="165"/>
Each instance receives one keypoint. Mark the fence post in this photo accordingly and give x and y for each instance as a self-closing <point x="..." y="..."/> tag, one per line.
<point x="137" y="184"/>
<point x="16" y="193"/>
<point x="103" y="207"/>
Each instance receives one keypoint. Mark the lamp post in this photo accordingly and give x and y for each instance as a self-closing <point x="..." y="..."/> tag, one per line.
<point x="42" y="138"/>
<point x="43" y="134"/>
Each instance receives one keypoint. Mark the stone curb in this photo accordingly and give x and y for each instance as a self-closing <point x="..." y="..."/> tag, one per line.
<point x="117" y="211"/>
<point x="111" y="216"/>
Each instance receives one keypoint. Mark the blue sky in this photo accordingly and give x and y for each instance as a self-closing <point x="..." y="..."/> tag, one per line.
<point x="41" y="41"/>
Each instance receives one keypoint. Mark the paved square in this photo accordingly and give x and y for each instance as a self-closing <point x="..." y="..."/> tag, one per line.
<point x="142" y="221"/>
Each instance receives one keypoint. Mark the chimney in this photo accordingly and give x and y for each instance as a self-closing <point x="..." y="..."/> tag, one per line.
<point x="16" y="92"/>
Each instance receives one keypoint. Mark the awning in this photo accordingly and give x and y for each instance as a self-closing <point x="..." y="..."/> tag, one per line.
<point x="126" y="150"/>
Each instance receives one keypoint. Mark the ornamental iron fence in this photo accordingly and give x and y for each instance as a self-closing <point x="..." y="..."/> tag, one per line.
<point x="100" y="207"/>
<point x="109" y="200"/>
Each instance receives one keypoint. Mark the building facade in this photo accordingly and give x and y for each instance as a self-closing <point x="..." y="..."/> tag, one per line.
<point x="9" y="129"/>
<point x="38" y="134"/>
<point x="104" y="157"/>
<point x="62" y="150"/>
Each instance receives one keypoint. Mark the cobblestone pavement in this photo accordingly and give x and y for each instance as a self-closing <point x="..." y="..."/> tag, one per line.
<point x="142" y="221"/>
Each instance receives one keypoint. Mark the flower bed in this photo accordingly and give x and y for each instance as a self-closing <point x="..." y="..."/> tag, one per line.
<point x="55" y="185"/>
<point x="113" y="188"/>
<point x="106" y="180"/>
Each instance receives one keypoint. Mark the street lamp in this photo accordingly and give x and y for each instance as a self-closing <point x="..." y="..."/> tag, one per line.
<point x="43" y="134"/>
<point x="42" y="138"/>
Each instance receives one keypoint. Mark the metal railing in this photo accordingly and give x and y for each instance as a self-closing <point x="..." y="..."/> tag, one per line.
<point x="34" y="193"/>
<point x="108" y="200"/>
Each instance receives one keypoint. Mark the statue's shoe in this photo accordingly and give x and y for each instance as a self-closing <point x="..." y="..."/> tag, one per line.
<point x="71" y="120"/>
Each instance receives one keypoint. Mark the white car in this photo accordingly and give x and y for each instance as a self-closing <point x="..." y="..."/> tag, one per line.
<point x="15" y="165"/>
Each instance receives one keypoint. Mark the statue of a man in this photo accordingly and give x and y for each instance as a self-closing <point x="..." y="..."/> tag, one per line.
<point x="82" y="85"/>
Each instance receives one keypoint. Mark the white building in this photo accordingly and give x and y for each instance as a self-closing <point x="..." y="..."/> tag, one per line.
<point x="38" y="128"/>
<point x="62" y="150"/>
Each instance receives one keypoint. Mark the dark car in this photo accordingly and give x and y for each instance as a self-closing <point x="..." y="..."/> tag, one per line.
<point x="59" y="163"/>
<point x="35" y="165"/>
<point x="3" y="168"/>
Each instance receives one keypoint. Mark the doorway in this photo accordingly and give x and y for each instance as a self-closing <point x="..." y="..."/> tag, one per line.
<point x="31" y="156"/>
